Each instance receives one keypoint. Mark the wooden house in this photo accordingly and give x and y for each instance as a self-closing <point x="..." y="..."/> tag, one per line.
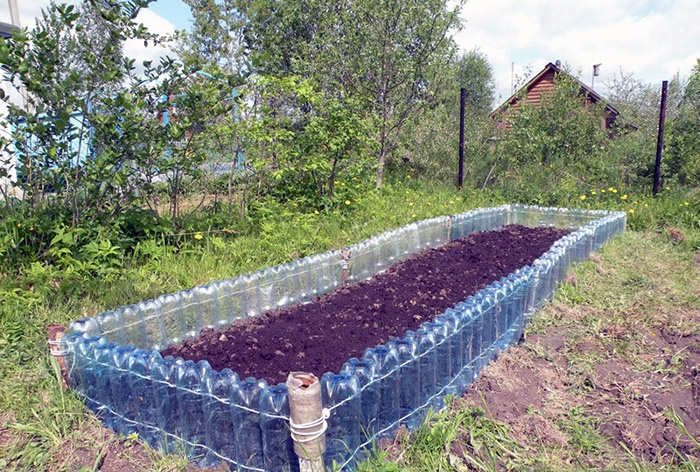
<point x="544" y="83"/>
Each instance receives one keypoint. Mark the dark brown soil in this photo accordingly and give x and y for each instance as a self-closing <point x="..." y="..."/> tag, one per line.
<point x="320" y="336"/>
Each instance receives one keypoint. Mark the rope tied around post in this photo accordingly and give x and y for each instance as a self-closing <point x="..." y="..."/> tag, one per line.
<point x="307" y="420"/>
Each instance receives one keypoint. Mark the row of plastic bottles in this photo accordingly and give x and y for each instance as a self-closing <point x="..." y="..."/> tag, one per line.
<point x="216" y="416"/>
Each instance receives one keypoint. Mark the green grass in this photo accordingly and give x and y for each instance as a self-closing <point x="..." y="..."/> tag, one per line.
<point x="39" y="422"/>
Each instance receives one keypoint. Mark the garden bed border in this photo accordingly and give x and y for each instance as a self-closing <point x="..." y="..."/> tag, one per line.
<point x="173" y="404"/>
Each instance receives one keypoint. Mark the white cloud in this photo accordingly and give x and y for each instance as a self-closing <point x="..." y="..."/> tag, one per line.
<point x="654" y="40"/>
<point x="31" y="9"/>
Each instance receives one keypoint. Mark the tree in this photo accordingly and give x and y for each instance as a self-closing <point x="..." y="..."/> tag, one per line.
<point x="556" y="145"/>
<point x="392" y="55"/>
<point x="387" y="56"/>
<point x="215" y="39"/>
<point x="475" y="74"/>
<point x="66" y="64"/>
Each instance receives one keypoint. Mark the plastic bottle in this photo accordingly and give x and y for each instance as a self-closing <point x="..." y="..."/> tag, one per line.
<point x="278" y="447"/>
<point x="426" y="353"/>
<point x="133" y="326"/>
<point x="217" y="387"/>
<point x="84" y="372"/>
<point x="387" y="361"/>
<point x="465" y="312"/>
<point x="443" y="375"/>
<point x="191" y="312"/>
<point x="154" y="325"/>
<point x="267" y="288"/>
<point x="103" y="355"/>
<point x="340" y="393"/>
<point x="251" y="294"/>
<point x="366" y="372"/>
<point x="246" y="415"/>
<point x="222" y="291"/>
<point x="122" y="401"/>
<point x="191" y="413"/>
<point x="409" y="380"/>
<point x="454" y="336"/>
<point x="163" y="380"/>
<point x="208" y="300"/>
<point x="172" y="311"/>
<point x="143" y="395"/>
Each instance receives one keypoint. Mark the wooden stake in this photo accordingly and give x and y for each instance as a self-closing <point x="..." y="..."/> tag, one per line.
<point x="307" y="420"/>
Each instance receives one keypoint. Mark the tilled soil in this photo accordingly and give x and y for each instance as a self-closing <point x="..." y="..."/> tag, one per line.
<point x="320" y="336"/>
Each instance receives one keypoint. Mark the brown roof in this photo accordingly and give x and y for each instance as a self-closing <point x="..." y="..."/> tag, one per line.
<point x="552" y="69"/>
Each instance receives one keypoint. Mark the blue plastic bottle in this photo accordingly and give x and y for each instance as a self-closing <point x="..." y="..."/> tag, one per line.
<point x="387" y="361"/>
<point x="465" y="313"/>
<point x="192" y="424"/>
<point x="365" y="371"/>
<point x="453" y="325"/>
<point x="340" y="393"/>
<point x="217" y="387"/>
<point x="246" y="415"/>
<point x="442" y="361"/>
<point x="120" y="381"/>
<point x="427" y="355"/>
<point x="409" y="380"/>
<point x="143" y="394"/>
<point x="164" y="379"/>
<point x="278" y="447"/>
<point x="84" y="372"/>
<point x="103" y="355"/>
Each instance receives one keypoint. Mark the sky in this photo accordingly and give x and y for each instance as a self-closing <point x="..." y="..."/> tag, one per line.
<point x="651" y="39"/>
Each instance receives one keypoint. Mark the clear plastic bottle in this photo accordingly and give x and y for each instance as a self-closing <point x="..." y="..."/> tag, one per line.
<point x="143" y="394"/>
<point x="442" y="361"/>
<point x="84" y="373"/>
<point x="340" y="393"/>
<point x="120" y="380"/>
<point x="426" y="352"/>
<point x="465" y="312"/>
<point x="409" y="380"/>
<point x="191" y="312"/>
<point x="454" y="336"/>
<point x="191" y="413"/>
<point x="278" y="447"/>
<point x="103" y="355"/>
<point x="172" y="311"/>
<point x="217" y="387"/>
<point x="164" y="380"/>
<point x="366" y="372"/>
<point x="387" y="361"/>
<point x="246" y="415"/>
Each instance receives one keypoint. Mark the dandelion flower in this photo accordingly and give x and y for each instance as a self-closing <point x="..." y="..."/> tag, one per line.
<point x="198" y="236"/>
<point x="624" y="197"/>
<point x="582" y="197"/>
<point x="611" y="189"/>
<point x="686" y="203"/>
<point x="408" y="177"/>
<point x="413" y="215"/>
<point x="316" y="212"/>
<point x="593" y="192"/>
<point x="410" y="204"/>
<point x="631" y="210"/>
<point x="347" y="202"/>
<point x="602" y="190"/>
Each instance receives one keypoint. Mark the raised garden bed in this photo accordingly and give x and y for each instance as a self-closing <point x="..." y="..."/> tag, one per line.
<point x="217" y="416"/>
<point x="367" y="313"/>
